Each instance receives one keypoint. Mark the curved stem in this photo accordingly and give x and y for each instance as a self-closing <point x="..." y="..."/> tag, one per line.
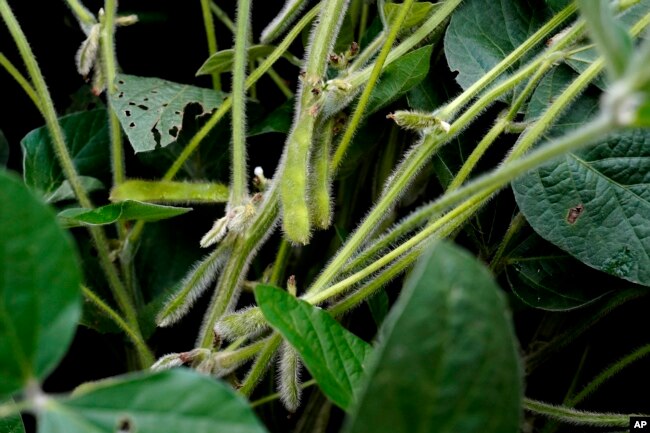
<point x="20" y="79"/>
<point x="609" y="372"/>
<point x="578" y="417"/>
<point x="146" y="357"/>
<point x="260" y="365"/>
<point x="351" y="127"/>
<point x="208" y="24"/>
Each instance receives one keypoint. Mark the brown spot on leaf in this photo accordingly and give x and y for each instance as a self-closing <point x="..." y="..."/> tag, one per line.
<point x="124" y="426"/>
<point x="574" y="213"/>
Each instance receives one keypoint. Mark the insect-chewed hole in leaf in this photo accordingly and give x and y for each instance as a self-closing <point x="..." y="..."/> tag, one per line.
<point x="154" y="91"/>
<point x="165" y="104"/>
<point x="132" y="103"/>
<point x="128" y="113"/>
<point x="121" y="81"/>
<point x="131" y="125"/>
<point x="174" y="131"/>
<point x="121" y="95"/>
<point x="143" y="107"/>
<point x="145" y="99"/>
<point x="574" y="213"/>
<point x="125" y="425"/>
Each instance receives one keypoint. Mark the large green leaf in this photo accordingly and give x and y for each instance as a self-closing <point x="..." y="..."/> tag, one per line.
<point x="482" y="33"/>
<point x="448" y="358"/>
<point x="334" y="356"/>
<point x="167" y="191"/>
<point x="543" y="276"/>
<point x="171" y="401"/>
<point x="278" y="120"/>
<point x="88" y="143"/>
<point x="399" y="77"/>
<point x="222" y="61"/>
<point x="123" y="211"/>
<point x="151" y="110"/>
<point x="40" y="300"/>
<point x="595" y="203"/>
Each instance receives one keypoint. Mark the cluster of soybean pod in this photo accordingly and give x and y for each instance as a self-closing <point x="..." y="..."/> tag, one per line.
<point x="298" y="196"/>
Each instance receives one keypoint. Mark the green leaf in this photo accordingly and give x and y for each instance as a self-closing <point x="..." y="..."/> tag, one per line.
<point x="170" y="192"/>
<point x="545" y="277"/>
<point x="222" y="61"/>
<point x="399" y="77"/>
<point x="448" y="359"/>
<point x="278" y="120"/>
<point x="40" y="301"/>
<point x="151" y="110"/>
<point x="4" y="150"/>
<point x="595" y="203"/>
<point x="88" y="143"/>
<point x="482" y="33"/>
<point x="419" y="12"/>
<point x="379" y="306"/>
<point x="123" y="211"/>
<point x="65" y="192"/>
<point x="333" y="355"/>
<point x="171" y="401"/>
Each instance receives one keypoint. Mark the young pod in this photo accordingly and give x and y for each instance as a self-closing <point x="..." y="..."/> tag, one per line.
<point x="320" y="183"/>
<point x="289" y="377"/>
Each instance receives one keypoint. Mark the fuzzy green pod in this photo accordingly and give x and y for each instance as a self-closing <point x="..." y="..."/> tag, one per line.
<point x="320" y="182"/>
<point x="248" y="322"/>
<point x="289" y="377"/>
<point x="194" y="284"/>
<point x="293" y="184"/>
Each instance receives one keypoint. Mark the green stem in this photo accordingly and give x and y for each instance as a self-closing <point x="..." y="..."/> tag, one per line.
<point x="63" y="156"/>
<point x="537" y="358"/>
<point x="515" y="225"/>
<point x="573" y="416"/>
<point x="608" y="373"/>
<point x="351" y="127"/>
<point x="476" y="192"/>
<point x="222" y="16"/>
<point x="110" y="70"/>
<point x="363" y="22"/>
<point x="20" y="79"/>
<point x="260" y="365"/>
<point x="84" y="16"/>
<point x="239" y="182"/>
<point x="275" y="396"/>
<point x="144" y="353"/>
<point x="276" y="27"/>
<point x="281" y="261"/>
<point x="208" y="24"/>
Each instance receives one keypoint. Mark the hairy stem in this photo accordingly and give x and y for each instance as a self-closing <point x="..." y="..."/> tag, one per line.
<point x="208" y="24"/>
<point x="577" y="417"/>
<point x="239" y="182"/>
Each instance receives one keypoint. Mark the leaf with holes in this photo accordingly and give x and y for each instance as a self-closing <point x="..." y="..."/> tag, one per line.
<point x="332" y="354"/>
<point x="595" y="203"/>
<point x="448" y="360"/>
<point x="151" y="110"/>
<point x="170" y="401"/>
<point x="123" y="211"/>
<point x="223" y="60"/>
<point x="40" y="301"/>
<point x="88" y="143"/>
